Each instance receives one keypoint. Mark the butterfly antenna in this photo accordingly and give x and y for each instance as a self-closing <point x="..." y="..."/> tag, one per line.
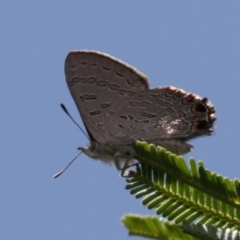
<point x="59" y="173"/>
<point x="69" y="115"/>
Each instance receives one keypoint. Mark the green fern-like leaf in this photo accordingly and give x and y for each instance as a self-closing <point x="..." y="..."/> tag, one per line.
<point x="152" y="228"/>
<point x="179" y="192"/>
<point x="209" y="232"/>
<point x="196" y="175"/>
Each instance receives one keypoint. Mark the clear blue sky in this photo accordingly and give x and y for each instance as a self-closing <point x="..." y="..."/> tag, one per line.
<point x="193" y="45"/>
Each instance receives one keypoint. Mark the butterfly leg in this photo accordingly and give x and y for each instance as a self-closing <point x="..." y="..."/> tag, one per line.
<point x="125" y="173"/>
<point x="128" y="163"/>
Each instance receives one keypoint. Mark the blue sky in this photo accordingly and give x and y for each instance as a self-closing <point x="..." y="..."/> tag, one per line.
<point x="193" y="45"/>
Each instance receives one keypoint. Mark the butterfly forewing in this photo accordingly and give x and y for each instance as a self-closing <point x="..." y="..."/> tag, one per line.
<point x="100" y="85"/>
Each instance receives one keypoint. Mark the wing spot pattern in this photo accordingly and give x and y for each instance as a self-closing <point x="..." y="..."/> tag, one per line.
<point x="199" y="107"/>
<point x="73" y="66"/>
<point x="113" y="87"/>
<point x="106" y="68"/>
<point x="149" y="115"/>
<point x="119" y="74"/>
<point x="94" y="113"/>
<point x="83" y="80"/>
<point x="159" y="102"/>
<point x="106" y="105"/>
<point x="84" y="63"/>
<point x="133" y="104"/>
<point x="88" y="97"/>
<point x="181" y="114"/>
<point x="170" y="110"/>
<point x="126" y="93"/>
<point x="145" y="104"/>
<point x="91" y="80"/>
<point x="123" y="117"/>
<point x="102" y="83"/>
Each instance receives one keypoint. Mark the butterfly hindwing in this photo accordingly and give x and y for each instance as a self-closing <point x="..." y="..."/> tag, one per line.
<point x="163" y="113"/>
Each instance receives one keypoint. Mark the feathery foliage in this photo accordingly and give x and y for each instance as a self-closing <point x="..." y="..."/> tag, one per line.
<point x="201" y="203"/>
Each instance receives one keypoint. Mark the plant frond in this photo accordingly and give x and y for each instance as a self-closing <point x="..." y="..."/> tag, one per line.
<point x="152" y="228"/>
<point x="179" y="192"/>
<point x="209" y="232"/>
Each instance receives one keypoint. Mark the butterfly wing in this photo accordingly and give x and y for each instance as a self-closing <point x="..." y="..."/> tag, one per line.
<point x="165" y="113"/>
<point x="99" y="85"/>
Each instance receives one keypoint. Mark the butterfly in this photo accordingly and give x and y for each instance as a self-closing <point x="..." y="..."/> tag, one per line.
<point x="118" y="108"/>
